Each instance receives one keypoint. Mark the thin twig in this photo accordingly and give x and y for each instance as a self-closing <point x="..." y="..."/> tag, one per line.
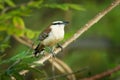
<point x="103" y="74"/>
<point x="23" y="41"/>
<point x="16" y="62"/>
<point x="64" y="75"/>
<point x="53" y="69"/>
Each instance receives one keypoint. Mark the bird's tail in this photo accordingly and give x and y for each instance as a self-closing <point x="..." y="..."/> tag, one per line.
<point x="38" y="49"/>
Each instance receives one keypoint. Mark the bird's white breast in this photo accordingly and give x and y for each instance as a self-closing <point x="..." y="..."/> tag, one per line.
<point x="56" y="35"/>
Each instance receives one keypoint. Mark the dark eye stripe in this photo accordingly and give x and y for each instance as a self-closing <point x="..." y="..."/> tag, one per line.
<point x="56" y="23"/>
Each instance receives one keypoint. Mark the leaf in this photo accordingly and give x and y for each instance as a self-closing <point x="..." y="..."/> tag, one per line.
<point x="4" y="46"/>
<point x="10" y="3"/>
<point x="36" y="4"/>
<point x="17" y="76"/>
<point x="30" y="34"/>
<point x="13" y="31"/>
<point x="60" y="6"/>
<point x="18" y="32"/>
<point x="21" y="55"/>
<point x="65" y="6"/>
<point x="18" y="56"/>
<point x="36" y="70"/>
<point x="18" y="22"/>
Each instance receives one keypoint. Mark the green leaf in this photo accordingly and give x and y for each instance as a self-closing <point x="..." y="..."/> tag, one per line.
<point x="13" y="31"/>
<point x="36" y="4"/>
<point x="60" y="6"/>
<point x="18" y="56"/>
<point x="18" y="22"/>
<point x="65" y="6"/>
<point x="21" y="55"/>
<point x="30" y="34"/>
<point x="10" y="3"/>
<point x="18" y="76"/>
<point x="10" y="30"/>
<point x="2" y="48"/>
<point x="18" y="32"/>
<point x="36" y="70"/>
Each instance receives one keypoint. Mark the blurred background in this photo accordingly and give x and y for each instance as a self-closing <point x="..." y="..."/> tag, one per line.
<point x="98" y="48"/>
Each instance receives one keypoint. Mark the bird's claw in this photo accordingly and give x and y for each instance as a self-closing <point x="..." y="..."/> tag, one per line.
<point x="59" y="46"/>
<point x="53" y="55"/>
<point x="52" y="52"/>
<point x="37" y="53"/>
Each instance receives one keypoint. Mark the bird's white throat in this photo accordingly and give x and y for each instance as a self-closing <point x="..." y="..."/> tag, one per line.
<point x="57" y="31"/>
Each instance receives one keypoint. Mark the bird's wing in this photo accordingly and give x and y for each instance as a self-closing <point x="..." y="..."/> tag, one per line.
<point x="44" y="34"/>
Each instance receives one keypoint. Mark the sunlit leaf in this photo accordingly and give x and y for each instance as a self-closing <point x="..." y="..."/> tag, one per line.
<point x="18" y="32"/>
<point x="30" y="34"/>
<point x="18" y="22"/>
<point x="10" y="3"/>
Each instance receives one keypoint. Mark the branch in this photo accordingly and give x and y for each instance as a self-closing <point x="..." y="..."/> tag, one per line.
<point x="64" y="75"/>
<point x="23" y="41"/>
<point x="101" y="75"/>
<point x="83" y="29"/>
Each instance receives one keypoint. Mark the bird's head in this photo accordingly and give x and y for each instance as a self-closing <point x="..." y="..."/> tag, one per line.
<point x="60" y="23"/>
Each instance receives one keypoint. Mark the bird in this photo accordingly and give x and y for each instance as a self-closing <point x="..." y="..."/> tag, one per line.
<point x="51" y="36"/>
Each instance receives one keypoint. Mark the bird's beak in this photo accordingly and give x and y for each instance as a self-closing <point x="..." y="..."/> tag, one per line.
<point x="65" y="22"/>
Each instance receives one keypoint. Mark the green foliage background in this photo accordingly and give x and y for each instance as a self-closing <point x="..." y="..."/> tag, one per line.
<point x="30" y="17"/>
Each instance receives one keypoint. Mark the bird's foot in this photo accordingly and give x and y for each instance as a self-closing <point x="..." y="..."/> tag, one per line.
<point x="37" y="53"/>
<point x="52" y="52"/>
<point x="53" y="55"/>
<point x="59" y="46"/>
